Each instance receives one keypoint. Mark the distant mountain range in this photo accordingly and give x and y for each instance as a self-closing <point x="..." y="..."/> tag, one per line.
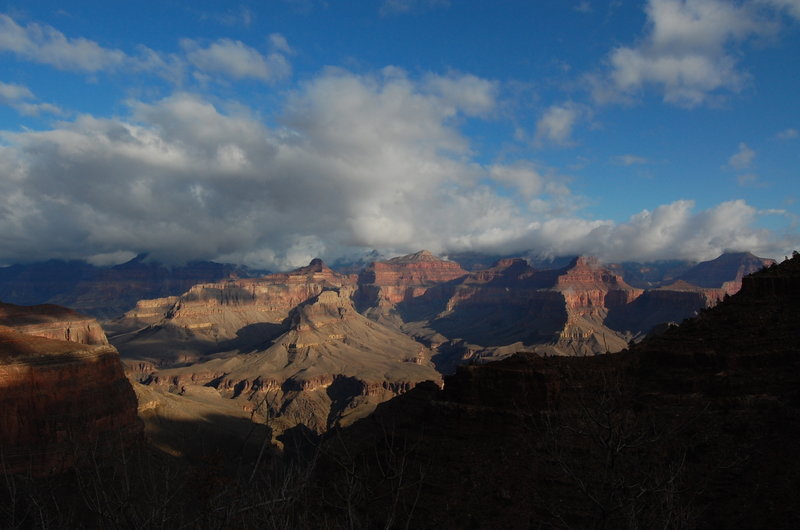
<point x="105" y="292"/>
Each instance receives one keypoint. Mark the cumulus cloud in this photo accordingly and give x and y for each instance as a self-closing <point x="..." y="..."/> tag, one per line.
<point x="47" y="45"/>
<point x="20" y="98"/>
<point x="356" y="162"/>
<point x="743" y="158"/>
<point x="234" y="59"/>
<point x="685" y="53"/>
<point x="557" y="123"/>
<point x="473" y="95"/>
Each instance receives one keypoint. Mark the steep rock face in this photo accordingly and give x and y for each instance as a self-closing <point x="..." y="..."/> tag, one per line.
<point x="52" y="322"/>
<point x="561" y="311"/>
<point x="219" y="316"/>
<point x="404" y="278"/>
<point x="59" y="400"/>
<point x="332" y="366"/>
<point x="589" y="288"/>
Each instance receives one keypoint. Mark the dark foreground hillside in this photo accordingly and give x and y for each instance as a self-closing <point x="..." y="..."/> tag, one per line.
<point x="694" y="428"/>
<point x="697" y="427"/>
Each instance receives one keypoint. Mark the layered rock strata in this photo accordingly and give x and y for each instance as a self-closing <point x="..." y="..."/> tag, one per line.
<point x="52" y="322"/>
<point x="332" y="366"/>
<point x="213" y="317"/>
<point x="561" y="311"/>
<point x="403" y="278"/>
<point x="60" y="400"/>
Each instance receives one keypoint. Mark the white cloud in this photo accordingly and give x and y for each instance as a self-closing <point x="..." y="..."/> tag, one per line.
<point x="743" y="158"/>
<point x="583" y="7"/>
<point x="10" y="92"/>
<point x="280" y="44"/>
<point x="399" y="7"/>
<point x="557" y="123"/>
<point x="788" y="134"/>
<point x="236" y="60"/>
<point x="473" y="95"/>
<point x="358" y="161"/>
<point x="19" y="96"/>
<point x="524" y="177"/>
<point x="630" y="160"/>
<point x="749" y="179"/>
<point x="45" y="44"/>
<point x="684" y="54"/>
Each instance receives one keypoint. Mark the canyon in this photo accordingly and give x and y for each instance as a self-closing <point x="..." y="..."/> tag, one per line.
<point x="320" y="348"/>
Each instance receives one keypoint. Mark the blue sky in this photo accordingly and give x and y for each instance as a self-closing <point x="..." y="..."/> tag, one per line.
<point x="272" y="132"/>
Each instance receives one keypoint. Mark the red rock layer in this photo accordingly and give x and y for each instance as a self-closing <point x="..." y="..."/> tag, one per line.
<point x="59" y="400"/>
<point x="588" y="287"/>
<point x="404" y="278"/>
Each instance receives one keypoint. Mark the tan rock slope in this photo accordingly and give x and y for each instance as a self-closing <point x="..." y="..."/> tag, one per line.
<point x="331" y="367"/>
<point x="59" y="399"/>
<point x="223" y="316"/>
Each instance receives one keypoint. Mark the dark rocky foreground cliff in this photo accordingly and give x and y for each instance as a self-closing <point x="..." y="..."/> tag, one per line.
<point x="63" y="392"/>
<point x="695" y="428"/>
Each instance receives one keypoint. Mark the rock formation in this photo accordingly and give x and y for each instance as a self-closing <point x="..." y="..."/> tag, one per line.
<point x="332" y="366"/>
<point x="221" y="316"/>
<point x="52" y="322"/>
<point x="59" y="399"/>
<point x="400" y="279"/>
<point x="559" y="311"/>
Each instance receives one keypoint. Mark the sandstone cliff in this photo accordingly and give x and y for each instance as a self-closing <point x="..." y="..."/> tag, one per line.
<point x="59" y="401"/>
<point x="403" y="278"/>
<point x="559" y="311"/>
<point x="222" y="316"/>
<point x="332" y="366"/>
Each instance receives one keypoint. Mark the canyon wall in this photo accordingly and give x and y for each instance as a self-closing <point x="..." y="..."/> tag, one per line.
<point x="59" y="401"/>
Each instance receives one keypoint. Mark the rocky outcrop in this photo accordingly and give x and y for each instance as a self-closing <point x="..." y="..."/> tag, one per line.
<point x="52" y="322"/>
<point x="59" y="401"/>
<point x="331" y="366"/>
<point x="403" y="278"/>
<point x="221" y="316"/>
<point x="561" y="311"/>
